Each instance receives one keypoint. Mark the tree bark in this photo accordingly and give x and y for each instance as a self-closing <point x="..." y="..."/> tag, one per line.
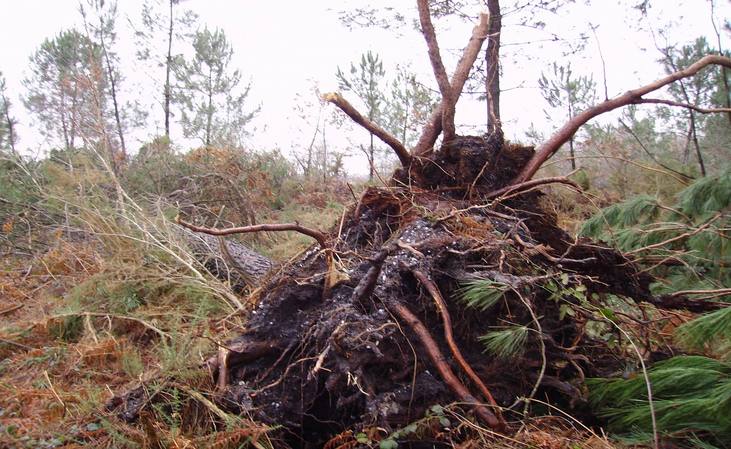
<point x="434" y="125"/>
<point x="492" y="67"/>
<point x="113" y="88"/>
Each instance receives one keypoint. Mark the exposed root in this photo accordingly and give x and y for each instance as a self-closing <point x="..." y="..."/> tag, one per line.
<point x="437" y="358"/>
<point x="449" y="337"/>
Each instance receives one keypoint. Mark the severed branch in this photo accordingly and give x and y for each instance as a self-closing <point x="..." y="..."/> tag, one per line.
<point x="440" y="73"/>
<point x="683" y="105"/>
<point x="445" y="371"/>
<point x="385" y="136"/>
<point x="552" y="145"/>
<point x="469" y="55"/>
<point x="276" y="227"/>
<point x="442" y="307"/>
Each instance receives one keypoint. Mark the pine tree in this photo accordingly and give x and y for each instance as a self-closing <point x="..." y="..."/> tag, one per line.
<point x="365" y="81"/>
<point x="100" y="23"/>
<point x="163" y="22"/>
<point x="212" y="107"/>
<point x="59" y="87"/>
<point x="569" y="93"/>
<point x="8" y="137"/>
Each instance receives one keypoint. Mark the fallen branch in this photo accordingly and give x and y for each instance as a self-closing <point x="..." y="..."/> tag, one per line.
<point x="111" y="315"/>
<point x="274" y="227"/>
<point x="434" y="125"/>
<point x="385" y="136"/>
<point x="445" y="371"/>
<point x="677" y="237"/>
<point x="719" y="292"/>
<point x="442" y="308"/>
<point x="560" y="137"/>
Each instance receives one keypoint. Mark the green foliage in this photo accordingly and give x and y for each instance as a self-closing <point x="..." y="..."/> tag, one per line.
<point x="710" y="329"/>
<point x="508" y="343"/>
<point x="643" y="221"/>
<point x="212" y="107"/>
<point x="64" y="79"/>
<point x="691" y="397"/>
<point x="481" y="294"/>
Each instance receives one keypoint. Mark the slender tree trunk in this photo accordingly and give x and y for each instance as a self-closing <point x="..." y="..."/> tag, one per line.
<point x="572" y="155"/>
<point x="74" y="118"/>
<point x="696" y="145"/>
<point x="168" y="67"/>
<point x="11" y="125"/>
<point x="492" y="67"/>
<point x="113" y="88"/>
<point x="324" y="157"/>
<point x="724" y="71"/>
<point x="209" y="111"/>
<point x="371" y="160"/>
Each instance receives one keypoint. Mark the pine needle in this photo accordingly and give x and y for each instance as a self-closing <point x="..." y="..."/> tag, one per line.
<point x="508" y="343"/>
<point x="481" y="294"/>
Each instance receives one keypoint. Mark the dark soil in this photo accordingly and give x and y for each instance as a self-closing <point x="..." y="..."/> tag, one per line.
<point x="318" y="361"/>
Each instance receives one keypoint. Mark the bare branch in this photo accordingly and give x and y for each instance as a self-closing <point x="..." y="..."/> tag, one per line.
<point x="523" y="186"/>
<point x="718" y="292"/>
<point x="548" y="148"/>
<point x="682" y="105"/>
<point x="385" y="136"/>
<point x="275" y="227"/>
<point x="469" y="55"/>
<point x="440" y="73"/>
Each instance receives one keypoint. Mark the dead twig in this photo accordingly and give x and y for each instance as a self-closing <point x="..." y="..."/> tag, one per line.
<point x="437" y="358"/>
<point x="55" y="393"/>
<point x="448" y="335"/>
<point x="677" y="237"/>
<point x="11" y="309"/>
<point x="273" y="227"/>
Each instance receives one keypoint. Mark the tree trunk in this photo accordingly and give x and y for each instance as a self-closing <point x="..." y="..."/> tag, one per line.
<point x="113" y="88"/>
<point x="209" y="111"/>
<point x="492" y="67"/>
<point x="696" y="144"/>
<point x="168" y="68"/>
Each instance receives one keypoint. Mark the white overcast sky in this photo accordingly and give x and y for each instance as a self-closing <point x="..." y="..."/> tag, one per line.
<point x="286" y="46"/>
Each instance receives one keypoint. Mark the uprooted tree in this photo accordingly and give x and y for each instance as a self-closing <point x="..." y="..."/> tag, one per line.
<point x="381" y="318"/>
